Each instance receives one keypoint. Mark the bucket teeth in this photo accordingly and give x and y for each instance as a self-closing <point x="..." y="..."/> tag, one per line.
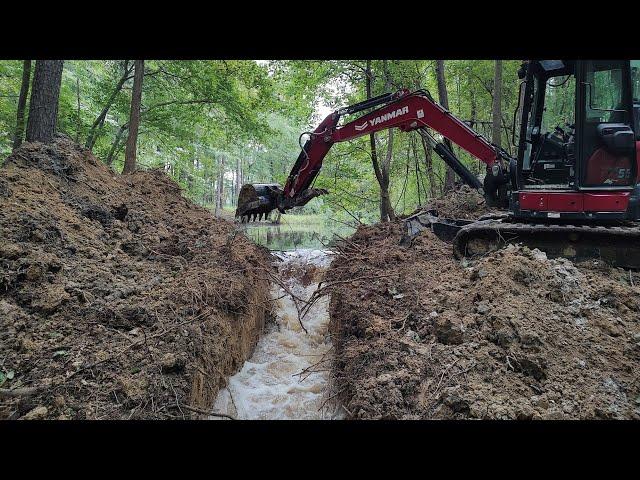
<point x="253" y="216"/>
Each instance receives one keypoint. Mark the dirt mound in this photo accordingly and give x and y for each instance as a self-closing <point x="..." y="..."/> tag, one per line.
<point x="119" y="298"/>
<point x="464" y="203"/>
<point x="516" y="335"/>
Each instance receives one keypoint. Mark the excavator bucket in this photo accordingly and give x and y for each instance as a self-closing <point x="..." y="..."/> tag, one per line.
<point x="256" y="200"/>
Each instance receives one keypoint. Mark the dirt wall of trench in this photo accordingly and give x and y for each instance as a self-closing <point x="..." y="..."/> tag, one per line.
<point x="119" y="298"/>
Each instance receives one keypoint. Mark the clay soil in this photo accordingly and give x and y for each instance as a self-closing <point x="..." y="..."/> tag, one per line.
<point x="119" y="298"/>
<point x="418" y="335"/>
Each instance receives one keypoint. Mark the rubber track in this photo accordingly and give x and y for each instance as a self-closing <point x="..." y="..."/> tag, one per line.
<point x="618" y="245"/>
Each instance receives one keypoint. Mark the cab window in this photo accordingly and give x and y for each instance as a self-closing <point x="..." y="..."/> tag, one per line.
<point x="559" y="102"/>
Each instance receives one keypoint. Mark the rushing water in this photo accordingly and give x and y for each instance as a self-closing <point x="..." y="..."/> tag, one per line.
<point x="287" y="377"/>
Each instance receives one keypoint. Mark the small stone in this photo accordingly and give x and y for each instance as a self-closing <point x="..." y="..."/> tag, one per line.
<point x="37" y="413"/>
<point x="482" y="307"/>
<point x="50" y="299"/>
<point x="33" y="273"/>
<point x="448" y="332"/>
<point x="412" y="335"/>
<point x="171" y="363"/>
<point x="25" y="344"/>
<point x="457" y="404"/>
<point x="384" y="378"/>
<point x="531" y="340"/>
<point x="534" y="367"/>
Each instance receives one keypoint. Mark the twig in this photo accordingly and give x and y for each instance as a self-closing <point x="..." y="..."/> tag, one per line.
<point x="204" y="412"/>
<point x="435" y="394"/>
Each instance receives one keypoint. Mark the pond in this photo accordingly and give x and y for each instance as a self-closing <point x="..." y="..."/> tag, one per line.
<point x="297" y="233"/>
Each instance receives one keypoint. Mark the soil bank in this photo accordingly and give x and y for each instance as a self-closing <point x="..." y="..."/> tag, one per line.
<point x="119" y="298"/>
<point x="418" y="335"/>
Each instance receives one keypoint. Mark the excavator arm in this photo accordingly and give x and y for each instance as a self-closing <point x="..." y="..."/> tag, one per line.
<point x="403" y="110"/>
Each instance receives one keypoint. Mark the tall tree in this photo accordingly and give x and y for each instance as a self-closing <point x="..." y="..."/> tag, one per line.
<point x="99" y="121"/>
<point x="238" y="177"/>
<point x="220" y="184"/>
<point x="386" y="211"/>
<point x="134" y="119"/>
<point x="443" y="98"/>
<point x="497" y="105"/>
<point x="22" y="103"/>
<point x="45" y="93"/>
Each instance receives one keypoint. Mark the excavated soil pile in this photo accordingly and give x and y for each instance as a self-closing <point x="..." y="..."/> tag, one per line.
<point x="464" y="203"/>
<point x="514" y="336"/>
<point x="119" y="298"/>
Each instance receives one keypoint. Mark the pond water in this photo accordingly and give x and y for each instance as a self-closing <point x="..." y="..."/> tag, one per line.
<point x="296" y="235"/>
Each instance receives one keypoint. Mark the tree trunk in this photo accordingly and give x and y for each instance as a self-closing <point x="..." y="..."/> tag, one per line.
<point x="99" y="121"/>
<point x="472" y="121"/>
<point x="134" y="119"/>
<point x="215" y="200"/>
<point x="220" y="199"/>
<point x="116" y="144"/>
<point x="497" y="105"/>
<point x="45" y="92"/>
<point x="428" y="163"/>
<point x="386" y="211"/>
<point x="238" y="178"/>
<point x="22" y="103"/>
<point x="443" y="98"/>
<point x="78" y="122"/>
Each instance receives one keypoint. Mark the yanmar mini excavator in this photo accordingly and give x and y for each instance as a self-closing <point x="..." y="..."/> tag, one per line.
<point x="572" y="190"/>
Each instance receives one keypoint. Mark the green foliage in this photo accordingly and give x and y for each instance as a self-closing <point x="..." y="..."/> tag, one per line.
<point x="209" y="121"/>
<point x="10" y="79"/>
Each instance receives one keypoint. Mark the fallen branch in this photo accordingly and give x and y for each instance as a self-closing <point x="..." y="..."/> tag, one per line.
<point x="19" y="392"/>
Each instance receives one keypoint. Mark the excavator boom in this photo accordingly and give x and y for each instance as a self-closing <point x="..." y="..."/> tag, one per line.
<point x="403" y="110"/>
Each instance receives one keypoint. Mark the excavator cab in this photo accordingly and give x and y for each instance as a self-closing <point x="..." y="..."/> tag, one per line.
<point x="578" y="128"/>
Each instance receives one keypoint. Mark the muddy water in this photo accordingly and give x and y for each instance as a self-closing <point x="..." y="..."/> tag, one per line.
<point x="287" y="377"/>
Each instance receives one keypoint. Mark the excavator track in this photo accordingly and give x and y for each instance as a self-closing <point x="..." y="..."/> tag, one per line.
<point x="617" y="245"/>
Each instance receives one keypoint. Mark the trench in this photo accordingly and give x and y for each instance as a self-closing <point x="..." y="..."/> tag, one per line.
<point x="288" y="376"/>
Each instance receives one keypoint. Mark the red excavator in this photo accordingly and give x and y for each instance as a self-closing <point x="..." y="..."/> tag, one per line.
<point x="572" y="189"/>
